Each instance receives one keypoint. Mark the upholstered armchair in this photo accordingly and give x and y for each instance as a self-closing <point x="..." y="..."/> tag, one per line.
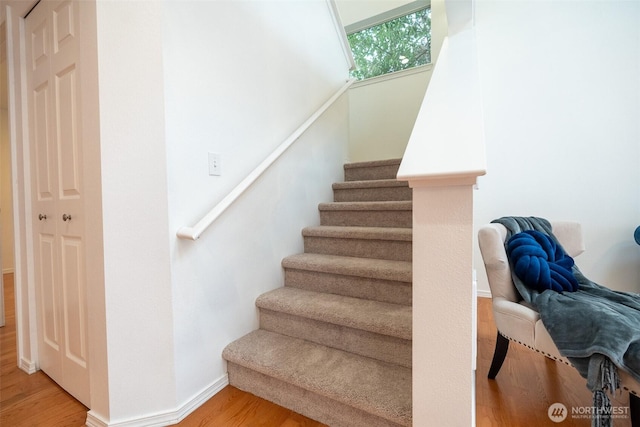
<point x="519" y="322"/>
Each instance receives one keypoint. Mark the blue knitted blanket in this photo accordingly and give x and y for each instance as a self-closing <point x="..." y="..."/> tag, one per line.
<point x="592" y="326"/>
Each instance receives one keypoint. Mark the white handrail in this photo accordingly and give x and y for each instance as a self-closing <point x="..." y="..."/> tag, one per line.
<point x="193" y="233"/>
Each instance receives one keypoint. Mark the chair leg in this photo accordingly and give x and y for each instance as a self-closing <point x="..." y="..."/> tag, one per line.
<point x="634" y="409"/>
<point x="502" y="346"/>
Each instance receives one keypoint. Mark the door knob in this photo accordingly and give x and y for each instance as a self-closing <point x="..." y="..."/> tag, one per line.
<point x="41" y="217"/>
<point x="66" y="217"/>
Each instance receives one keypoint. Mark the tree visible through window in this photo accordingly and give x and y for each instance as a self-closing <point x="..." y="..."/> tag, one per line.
<point x="395" y="45"/>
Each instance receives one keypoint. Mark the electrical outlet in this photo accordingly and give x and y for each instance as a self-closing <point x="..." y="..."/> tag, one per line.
<point x="215" y="167"/>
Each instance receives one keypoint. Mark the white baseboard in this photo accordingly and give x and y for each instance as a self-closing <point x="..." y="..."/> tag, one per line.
<point x="28" y="366"/>
<point x="202" y="397"/>
<point x="167" y="418"/>
<point x="484" y="293"/>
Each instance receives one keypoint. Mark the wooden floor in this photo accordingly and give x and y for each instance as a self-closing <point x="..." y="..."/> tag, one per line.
<point x="527" y="385"/>
<point x="36" y="401"/>
<point x="519" y="396"/>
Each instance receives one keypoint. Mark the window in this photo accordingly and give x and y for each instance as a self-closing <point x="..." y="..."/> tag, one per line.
<point x="384" y="45"/>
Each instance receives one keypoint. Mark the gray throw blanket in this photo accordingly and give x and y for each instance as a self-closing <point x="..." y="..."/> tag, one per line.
<point x="592" y="327"/>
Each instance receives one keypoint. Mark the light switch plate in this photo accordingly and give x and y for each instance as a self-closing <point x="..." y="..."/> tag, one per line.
<point x="215" y="168"/>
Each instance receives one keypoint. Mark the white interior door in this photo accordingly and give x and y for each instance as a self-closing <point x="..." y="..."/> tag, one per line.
<point x="57" y="194"/>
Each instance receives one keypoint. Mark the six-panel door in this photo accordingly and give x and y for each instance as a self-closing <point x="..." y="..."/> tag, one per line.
<point x="57" y="194"/>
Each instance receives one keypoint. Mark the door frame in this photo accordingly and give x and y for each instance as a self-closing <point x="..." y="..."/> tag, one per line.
<point x="26" y="323"/>
<point x="13" y="13"/>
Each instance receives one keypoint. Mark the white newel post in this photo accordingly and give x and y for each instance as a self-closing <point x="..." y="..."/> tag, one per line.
<point x="443" y="304"/>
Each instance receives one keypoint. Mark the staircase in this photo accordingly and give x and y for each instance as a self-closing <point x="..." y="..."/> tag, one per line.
<point x="334" y="343"/>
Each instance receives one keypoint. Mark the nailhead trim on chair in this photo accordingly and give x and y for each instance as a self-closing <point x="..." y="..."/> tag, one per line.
<point x="537" y="351"/>
<point x="625" y="388"/>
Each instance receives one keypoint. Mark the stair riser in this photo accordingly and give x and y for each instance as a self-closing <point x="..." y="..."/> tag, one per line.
<point x="388" y="194"/>
<point x="395" y="292"/>
<point x="334" y="344"/>
<point x="370" y="173"/>
<point x="305" y="402"/>
<point x="367" y="218"/>
<point x="376" y="346"/>
<point x="363" y="248"/>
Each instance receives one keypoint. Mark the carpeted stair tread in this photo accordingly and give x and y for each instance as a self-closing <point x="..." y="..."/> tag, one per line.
<point x="364" y="233"/>
<point x="372" y="316"/>
<point x="371" y="170"/>
<point x="371" y="190"/>
<point x="367" y="278"/>
<point x="367" y="214"/>
<point x="350" y="266"/>
<point x="361" y="242"/>
<point x="366" y="206"/>
<point x="370" y="183"/>
<point x="373" y="163"/>
<point x="376" y="387"/>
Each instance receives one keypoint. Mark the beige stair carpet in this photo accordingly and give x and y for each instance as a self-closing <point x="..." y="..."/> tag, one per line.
<point x="335" y="374"/>
<point x="334" y="343"/>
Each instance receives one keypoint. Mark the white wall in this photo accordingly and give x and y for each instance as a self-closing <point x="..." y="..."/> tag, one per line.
<point x="160" y="311"/>
<point x="352" y="11"/>
<point x="137" y="267"/>
<point x="382" y="114"/>
<point x="239" y="78"/>
<point x="561" y="86"/>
